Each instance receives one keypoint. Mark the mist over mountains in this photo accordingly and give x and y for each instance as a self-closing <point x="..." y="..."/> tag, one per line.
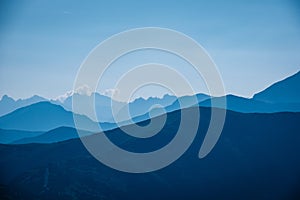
<point x="256" y="156"/>
<point x="280" y="96"/>
<point x="37" y="115"/>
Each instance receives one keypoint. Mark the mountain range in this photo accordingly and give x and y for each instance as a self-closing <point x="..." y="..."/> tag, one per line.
<point x="26" y="123"/>
<point x="279" y="97"/>
<point x="8" y="104"/>
<point x="42" y="116"/>
<point x="256" y="157"/>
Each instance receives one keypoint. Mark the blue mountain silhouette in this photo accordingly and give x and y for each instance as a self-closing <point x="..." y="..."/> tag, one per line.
<point x="42" y="116"/>
<point x="255" y="155"/>
<point x="187" y="101"/>
<point x="285" y="91"/>
<point x="103" y="106"/>
<point x="246" y="105"/>
<point x="8" y="104"/>
<point x="139" y="109"/>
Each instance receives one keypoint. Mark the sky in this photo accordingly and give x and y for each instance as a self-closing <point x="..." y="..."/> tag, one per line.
<point x="43" y="43"/>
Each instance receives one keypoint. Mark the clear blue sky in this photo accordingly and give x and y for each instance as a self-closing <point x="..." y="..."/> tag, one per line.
<point x="42" y="43"/>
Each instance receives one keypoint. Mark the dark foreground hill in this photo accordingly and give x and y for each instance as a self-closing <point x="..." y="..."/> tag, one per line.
<point x="257" y="157"/>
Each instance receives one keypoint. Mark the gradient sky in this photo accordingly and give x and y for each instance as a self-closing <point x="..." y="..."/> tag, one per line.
<point x="43" y="43"/>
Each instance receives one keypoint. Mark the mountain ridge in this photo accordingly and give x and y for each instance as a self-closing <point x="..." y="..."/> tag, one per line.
<point x="283" y="91"/>
<point x="42" y="116"/>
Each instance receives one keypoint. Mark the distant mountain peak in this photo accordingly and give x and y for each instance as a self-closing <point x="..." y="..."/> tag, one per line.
<point x="7" y="98"/>
<point x="32" y="99"/>
<point x="37" y="96"/>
